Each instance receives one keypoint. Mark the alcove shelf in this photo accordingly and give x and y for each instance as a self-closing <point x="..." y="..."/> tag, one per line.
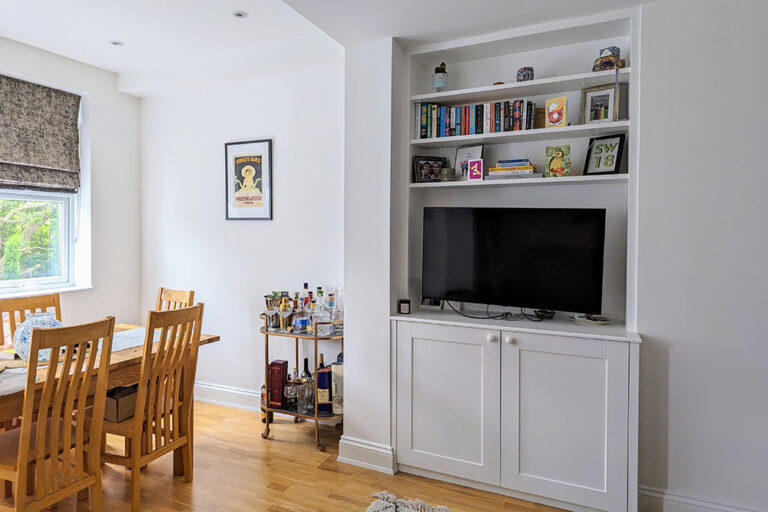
<point x="521" y="182"/>
<point x="537" y="87"/>
<point x="537" y="134"/>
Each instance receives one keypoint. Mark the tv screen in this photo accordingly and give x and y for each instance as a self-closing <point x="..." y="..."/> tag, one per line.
<point x="540" y="258"/>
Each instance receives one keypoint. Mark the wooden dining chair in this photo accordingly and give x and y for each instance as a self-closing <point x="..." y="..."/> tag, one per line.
<point x="50" y="457"/>
<point x="168" y="299"/>
<point x="163" y="418"/>
<point x="14" y="311"/>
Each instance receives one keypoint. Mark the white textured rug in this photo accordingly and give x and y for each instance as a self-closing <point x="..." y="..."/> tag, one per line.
<point x="387" y="502"/>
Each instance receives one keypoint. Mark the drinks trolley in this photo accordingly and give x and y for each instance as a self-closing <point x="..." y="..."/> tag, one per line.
<point x="337" y="333"/>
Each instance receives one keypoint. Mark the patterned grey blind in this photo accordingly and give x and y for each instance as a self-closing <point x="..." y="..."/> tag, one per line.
<point x="39" y="137"/>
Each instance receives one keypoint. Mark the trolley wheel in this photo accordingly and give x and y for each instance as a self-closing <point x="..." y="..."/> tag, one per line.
<point x="321" y="447"/>
<point x="265" y="435"/>
<point x="296" y="419"/>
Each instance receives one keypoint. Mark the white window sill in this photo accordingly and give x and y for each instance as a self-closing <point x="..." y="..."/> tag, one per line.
<point x="42" y="291"/>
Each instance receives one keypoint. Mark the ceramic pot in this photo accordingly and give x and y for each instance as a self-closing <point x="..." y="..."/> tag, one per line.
<point x="23" y="336"/>
<point x="440" y="82"/>
<point x="524" y="74"/>
<point x="611" y="51"/>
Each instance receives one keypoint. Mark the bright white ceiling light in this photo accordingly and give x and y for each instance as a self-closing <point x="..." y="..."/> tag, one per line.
<point x="115" y="42"/>
<point x="240" y="14"/>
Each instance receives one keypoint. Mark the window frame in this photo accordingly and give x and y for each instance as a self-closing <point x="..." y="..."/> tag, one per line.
<point x="66" y="243"/>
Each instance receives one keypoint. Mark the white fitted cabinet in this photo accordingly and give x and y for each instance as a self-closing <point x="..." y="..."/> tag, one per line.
<point x="448" y="400"/>
<point x="539" y="412"/>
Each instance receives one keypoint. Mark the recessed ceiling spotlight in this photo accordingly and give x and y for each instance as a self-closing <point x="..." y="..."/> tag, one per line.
<point x="240" y="14"/>
<point x="115" y="42"/>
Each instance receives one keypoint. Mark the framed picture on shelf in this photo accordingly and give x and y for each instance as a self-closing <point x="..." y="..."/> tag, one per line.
<point x="557" y="110"/>
<point x="558" y="160"/>
<point x="248" y="188"/>
<point x="463" y="156"/>
<point x="604" y="155"/>
<point x="599" y="104"/>
<point x="427" y="168"/>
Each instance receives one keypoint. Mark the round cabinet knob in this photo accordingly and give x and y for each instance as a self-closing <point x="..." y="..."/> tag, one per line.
<point x="492" y="338"/>
<point x="509" y="340"/>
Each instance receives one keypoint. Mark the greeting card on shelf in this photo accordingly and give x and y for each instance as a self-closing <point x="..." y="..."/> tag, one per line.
<point x="556" y="112"/>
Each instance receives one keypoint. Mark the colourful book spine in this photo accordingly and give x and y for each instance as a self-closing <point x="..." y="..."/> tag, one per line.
<point x="433" y="121"/>
<point x="441" y="120"/>
<point x="479" y="119"/>
<point x="453" y="121"/>
<point x="472" y="115"/>
<point x="507" y="116"/>
<point x="487" y="118"/>
<point x="459" y="126"/>
<point x="497" y="117"/>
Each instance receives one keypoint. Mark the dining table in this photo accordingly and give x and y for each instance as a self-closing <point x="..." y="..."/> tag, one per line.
<point x="124" y="368"/>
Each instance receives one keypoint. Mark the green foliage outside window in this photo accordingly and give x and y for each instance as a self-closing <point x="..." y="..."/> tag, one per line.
<point x="29" y="239"/>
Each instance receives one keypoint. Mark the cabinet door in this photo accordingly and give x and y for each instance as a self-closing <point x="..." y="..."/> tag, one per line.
<point x="564" y="418"/>
<point x="448" y="400"/>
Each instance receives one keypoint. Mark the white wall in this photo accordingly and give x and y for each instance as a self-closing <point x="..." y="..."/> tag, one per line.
<point x="367" y="157"/>
<point x="112" y="203"/>
<point x="231" y="265"/>
<point x="702" y="282"/>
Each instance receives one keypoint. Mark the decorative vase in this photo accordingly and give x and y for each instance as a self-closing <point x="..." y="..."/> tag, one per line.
<point x="524" y="74"/>
<point x="440" y="79"/>
<point x="23" y="335"/>
<point x="611" y="51"/>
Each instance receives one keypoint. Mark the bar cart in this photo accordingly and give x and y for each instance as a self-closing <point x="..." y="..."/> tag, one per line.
<point x="337" y="333"/>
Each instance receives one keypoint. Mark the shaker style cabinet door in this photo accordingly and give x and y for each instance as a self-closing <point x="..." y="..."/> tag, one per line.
<point x="564" y="418"/>
<point x="448" y="400"/>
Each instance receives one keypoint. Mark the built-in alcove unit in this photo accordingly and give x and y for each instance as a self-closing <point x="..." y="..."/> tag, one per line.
<point x="543" y="411"/>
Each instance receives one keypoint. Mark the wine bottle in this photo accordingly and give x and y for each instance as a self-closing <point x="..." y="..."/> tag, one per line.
<point x="322" y="361"/>
<point x="306" y="374"/>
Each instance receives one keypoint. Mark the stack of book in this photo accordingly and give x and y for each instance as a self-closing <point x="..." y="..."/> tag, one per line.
<point x="512" y="169"/>
<point x="433" y="120"/>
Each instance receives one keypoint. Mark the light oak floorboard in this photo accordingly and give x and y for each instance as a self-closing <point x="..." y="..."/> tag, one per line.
<point x="238" y="471"/>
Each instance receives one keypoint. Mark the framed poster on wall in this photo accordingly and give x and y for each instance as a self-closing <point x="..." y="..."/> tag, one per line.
<point x="248" y="167"/>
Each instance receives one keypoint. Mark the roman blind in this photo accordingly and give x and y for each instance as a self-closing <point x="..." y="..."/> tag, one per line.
<point x="39" y="137"/>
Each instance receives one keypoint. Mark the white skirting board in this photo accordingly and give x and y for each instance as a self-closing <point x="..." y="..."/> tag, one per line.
<point x="659" y="500"/>
<point x="231" y="396"/>
<point x="366" y="454"/>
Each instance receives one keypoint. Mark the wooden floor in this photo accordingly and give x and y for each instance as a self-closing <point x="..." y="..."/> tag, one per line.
<point x="237" y="470"/>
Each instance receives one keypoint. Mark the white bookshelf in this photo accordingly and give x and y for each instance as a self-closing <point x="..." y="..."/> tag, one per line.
<point x="526" y="182"/>
<point x="538" y="134"/>
<point x="554" y="85"/>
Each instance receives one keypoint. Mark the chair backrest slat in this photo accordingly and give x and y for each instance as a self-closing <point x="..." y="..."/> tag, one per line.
<point x="169" y="300"/>
<point x="14" y="311"/>
<point x="161" y="390"/>
<point x="77" y="368"/>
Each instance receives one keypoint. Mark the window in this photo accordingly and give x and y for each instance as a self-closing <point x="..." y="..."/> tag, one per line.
<point x="36" y="242"/>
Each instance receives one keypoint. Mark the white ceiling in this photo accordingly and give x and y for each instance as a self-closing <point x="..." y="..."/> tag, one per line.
<point x="428" y="21"/>
<point x="155" y="32"/>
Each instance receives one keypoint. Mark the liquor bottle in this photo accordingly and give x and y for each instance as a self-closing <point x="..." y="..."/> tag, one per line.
<point x="322" y="314"/>
<point x="321" y="363"/>
<point x="306" y="374"/>
<point x="300" y="319"/>
<point x="324" y="389"/>
<point x="320" y="299"/>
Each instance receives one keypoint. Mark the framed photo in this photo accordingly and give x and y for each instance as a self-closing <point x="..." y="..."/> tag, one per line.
<point x="604" y="155"/>
<point x="463" y="156"/>
<point x="248" y="185"/>
<point x="427" y="168"/>
<point x="599" y="104"/>
<point x="556" y="111"/>
<point x="558" y="160"/>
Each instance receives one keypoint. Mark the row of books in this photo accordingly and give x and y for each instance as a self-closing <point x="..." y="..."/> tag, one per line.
<point x="432" y="120"/>
<point x="510" y="169"/>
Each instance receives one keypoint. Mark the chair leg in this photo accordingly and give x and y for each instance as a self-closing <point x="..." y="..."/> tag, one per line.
<point x="186" y="458"/>
<point x="128" y="447"/>
<point x="103" y="446"/>
<point x="135" y="487"/>
<point x="95" y="493"/>
<point x="83" y="494"/>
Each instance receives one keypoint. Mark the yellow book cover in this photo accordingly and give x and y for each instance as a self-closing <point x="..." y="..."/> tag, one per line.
<point x="520" y="168"/>
<point x="556" y="111"/>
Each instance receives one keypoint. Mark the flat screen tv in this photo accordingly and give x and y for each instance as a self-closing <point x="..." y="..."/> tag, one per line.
<point x="540" y="258"/>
